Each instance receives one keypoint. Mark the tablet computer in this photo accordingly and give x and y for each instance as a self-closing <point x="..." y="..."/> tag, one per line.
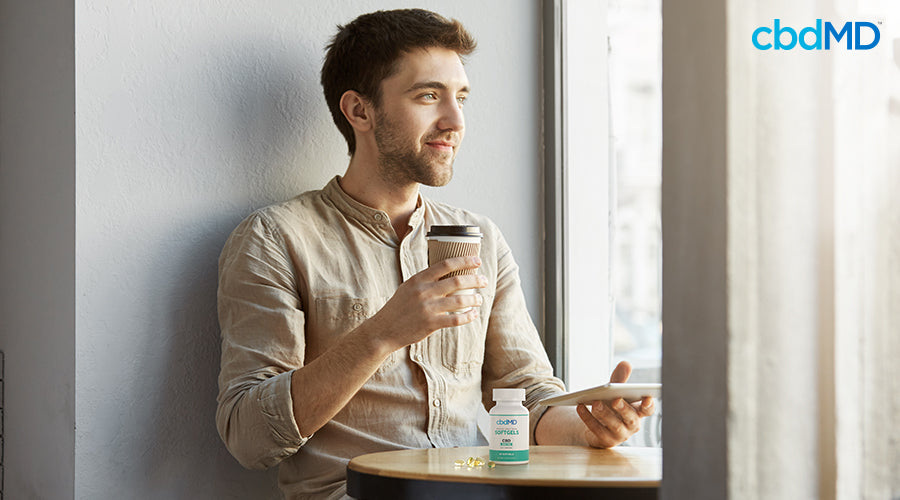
<point x="606" y="392"/>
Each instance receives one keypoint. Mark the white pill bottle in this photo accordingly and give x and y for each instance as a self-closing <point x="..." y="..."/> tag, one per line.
<point x="509" y="428"/>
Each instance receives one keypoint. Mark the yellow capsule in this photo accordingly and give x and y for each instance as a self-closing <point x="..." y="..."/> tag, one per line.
<point x="478" y="462"/>
<point x="491" y="465"/>
<point x="459" y="463"/>
<point x="470" y="461"/>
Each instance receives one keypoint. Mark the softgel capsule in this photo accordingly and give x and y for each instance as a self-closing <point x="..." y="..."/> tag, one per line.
<point x="473" y="463"/>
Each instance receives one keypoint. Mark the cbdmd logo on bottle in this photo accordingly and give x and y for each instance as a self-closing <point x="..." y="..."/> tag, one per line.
<point x="859" y="35"/>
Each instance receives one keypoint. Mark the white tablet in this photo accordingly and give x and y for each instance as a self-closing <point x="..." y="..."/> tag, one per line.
<point x="606" y="392"/>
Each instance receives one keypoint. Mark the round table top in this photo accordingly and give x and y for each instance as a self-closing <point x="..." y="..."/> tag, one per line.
<point x="571" y="466"/>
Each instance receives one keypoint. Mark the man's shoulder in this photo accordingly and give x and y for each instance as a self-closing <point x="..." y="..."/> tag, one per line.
<point x="284" y="217"/>
<point x="298" y="207"/>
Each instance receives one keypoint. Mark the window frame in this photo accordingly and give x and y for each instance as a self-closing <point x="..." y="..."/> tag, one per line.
<point x="573" y="178"/>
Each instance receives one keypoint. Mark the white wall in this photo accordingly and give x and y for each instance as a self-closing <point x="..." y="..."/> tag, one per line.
<point x="190" y="115"/>
<point x="37" y="239"/>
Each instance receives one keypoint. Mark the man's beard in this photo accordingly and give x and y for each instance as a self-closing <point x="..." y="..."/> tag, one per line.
<point x="398" y="162"/>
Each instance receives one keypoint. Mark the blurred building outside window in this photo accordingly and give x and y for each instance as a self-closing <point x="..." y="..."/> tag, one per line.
<point x="612" y="227"/>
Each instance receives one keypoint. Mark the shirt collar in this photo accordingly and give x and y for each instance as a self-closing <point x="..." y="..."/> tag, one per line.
<point x="366" y="214"/>
<point x="350" y="207"/>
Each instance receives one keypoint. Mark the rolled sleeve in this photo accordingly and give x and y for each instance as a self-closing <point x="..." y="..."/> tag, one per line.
<point x="276" y="406"/>
<point x="533" y="397"/>
<point x="262" y="328"/>
<point x="258" y="426"/>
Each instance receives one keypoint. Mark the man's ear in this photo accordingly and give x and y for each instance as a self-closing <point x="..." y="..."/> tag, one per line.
<point x="358" y="110"/>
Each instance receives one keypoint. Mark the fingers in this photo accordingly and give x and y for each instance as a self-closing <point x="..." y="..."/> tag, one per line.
<point x="621" y="373"/>
<point x="428" y="298"/>
<point x="647" y="407"/>
<point x="611" y="423"/>
<point x="598" y="435"/>
<point x="440" y="269"/>
<point x="456" y="319"/>
<point x="444" y="317"/>
<point x="458" y="301"/>
<point x="631" y="420"/>
<point x="424" y="303"/>
<point x="434" y="277"/>
<point x="455" y="284"/>
<point x="452" y="310"/>
<point x="453" y="305"/>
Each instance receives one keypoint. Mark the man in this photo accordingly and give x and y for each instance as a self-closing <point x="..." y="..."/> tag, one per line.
<point x="337" y="337"/>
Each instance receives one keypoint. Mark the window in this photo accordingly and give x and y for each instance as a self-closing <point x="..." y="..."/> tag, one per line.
<point x="635" y="81"/>
<point x="607" y="142"/>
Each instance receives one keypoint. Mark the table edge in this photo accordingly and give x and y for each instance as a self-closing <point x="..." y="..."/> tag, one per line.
<point x="647" y="482"/>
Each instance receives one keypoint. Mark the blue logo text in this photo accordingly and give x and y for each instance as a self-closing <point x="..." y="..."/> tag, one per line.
<point x="818" y="37"/>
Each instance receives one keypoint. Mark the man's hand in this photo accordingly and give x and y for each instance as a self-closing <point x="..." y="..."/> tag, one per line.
<point x="420" y="306"/>
<point x="610" y="423"/>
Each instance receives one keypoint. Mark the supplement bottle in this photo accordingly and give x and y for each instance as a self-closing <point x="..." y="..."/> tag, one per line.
<point x="509" y="428"/>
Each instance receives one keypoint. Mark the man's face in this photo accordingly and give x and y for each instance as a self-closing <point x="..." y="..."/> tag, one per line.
<point x="419" y="123"/>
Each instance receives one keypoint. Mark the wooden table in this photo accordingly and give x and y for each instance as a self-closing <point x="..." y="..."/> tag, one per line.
<point x="556" y="472"/>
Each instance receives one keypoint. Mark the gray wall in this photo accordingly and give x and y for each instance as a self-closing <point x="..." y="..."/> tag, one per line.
<point x="188" y="117"/>
<point x="695" y="280"/>
<point x="37" y="243"/>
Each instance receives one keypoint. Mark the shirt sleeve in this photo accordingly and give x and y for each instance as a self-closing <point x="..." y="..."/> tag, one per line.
<point x="514" y="354"/>
<point x="262" y="327"/>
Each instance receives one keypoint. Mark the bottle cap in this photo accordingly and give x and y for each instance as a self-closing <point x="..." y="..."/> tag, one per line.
<point x="515" y="394"/>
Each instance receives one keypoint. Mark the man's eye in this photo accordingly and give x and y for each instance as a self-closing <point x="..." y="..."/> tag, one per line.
<point x="461" y="100"/>
<point x="431" y="96"/>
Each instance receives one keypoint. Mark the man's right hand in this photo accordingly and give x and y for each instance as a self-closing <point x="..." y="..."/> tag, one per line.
<point x="419" y="307"/>
<point x="424" y="303"/>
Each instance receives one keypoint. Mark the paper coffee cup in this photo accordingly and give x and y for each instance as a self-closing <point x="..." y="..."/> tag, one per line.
<point x="445" y="242"/>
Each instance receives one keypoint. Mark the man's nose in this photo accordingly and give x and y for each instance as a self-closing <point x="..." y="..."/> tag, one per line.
<point x="452" y="117"/>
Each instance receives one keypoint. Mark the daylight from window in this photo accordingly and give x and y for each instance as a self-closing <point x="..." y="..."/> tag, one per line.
<point x="612" y="115"/>
<point x="635" y="83"/>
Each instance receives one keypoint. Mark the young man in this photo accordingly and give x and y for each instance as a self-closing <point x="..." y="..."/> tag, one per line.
<point x="337" y="337"/>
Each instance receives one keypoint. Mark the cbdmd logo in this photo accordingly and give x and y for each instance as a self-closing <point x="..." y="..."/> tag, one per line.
<point x="814" y="38"/>
<point x="507" y="421"/>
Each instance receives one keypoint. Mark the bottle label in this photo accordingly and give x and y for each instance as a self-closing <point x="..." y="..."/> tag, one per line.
<point x="509" y="456"/>
<point x="509" y="438"/>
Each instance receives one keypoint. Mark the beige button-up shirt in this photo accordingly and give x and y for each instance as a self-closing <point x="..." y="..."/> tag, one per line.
<point x="296" y="276"/>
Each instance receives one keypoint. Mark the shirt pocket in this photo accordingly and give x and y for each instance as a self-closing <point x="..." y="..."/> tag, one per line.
<point x="338" y="316"/>
<point x="462" y="347"/>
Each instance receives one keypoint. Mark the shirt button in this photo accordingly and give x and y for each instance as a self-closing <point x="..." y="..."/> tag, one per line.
<point x="436" y="403"/>
<point x="357" y="307"/>
<point x="379" y="217"/>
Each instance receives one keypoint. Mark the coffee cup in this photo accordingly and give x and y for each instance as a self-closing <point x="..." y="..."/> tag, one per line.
<point x="445" y="242"/>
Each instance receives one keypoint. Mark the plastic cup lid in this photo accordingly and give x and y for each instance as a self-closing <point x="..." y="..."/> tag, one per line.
<point x="463" y="230"/>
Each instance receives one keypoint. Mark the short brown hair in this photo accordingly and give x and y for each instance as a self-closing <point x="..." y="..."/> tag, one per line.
<point x="365" y="51"/>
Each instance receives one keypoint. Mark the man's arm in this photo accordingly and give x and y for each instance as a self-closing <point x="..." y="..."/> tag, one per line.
<point x="268" y="390"/>
<point x="418" y="308"/>
<point x="604" y="425"/>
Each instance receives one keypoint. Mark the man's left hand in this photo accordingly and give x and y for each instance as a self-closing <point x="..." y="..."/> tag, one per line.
<point x="610" y="423"/>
